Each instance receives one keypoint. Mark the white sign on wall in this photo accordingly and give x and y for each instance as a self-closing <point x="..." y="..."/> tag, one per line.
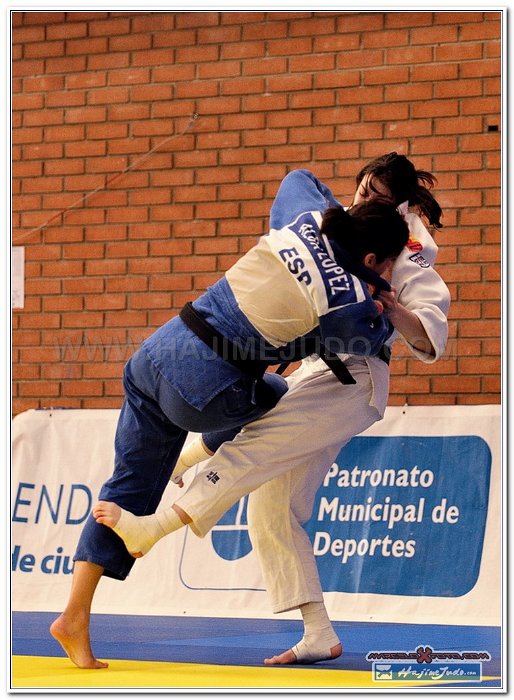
<point x="18" y="277"/>
<point x="426" y="547"/>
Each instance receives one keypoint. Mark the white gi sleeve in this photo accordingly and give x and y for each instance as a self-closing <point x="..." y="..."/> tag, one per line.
<point x="420" y="288"/>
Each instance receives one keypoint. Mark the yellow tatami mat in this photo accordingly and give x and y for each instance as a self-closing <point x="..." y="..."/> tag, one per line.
<point x="29" y="672"/>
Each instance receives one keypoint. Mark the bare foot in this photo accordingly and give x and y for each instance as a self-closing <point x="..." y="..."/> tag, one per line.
<point x="289" y="657"/>
<point x="286" y="657"/>
<point x="72" y="633"/>
<point x="107" y="513"/>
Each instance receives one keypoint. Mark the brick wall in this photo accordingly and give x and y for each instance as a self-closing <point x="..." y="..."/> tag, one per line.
<point x="93" y="92"/>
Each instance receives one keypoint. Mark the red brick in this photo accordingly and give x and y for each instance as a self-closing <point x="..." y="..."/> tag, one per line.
<point x="480" y="69"/>
<point x="458" y="385"/>
<point x="309" y="63"/>
<point x="110" y="27"/>
<point x="171" y="247"/>
<point x="437" y="108"/>
<point x="84" y="387"/>
<point x="43" y="252"/>
<point x="108" y="61"/>
<point x="386" y="39"/>
<point x="106" y="267"/>
<point x="487" y="253"/>
<point x="66" y="64"/>
<point x="171" y="283"/>
<point x="244" y="156"/>
<point x="435" y="35"/>
<point x="407" y="19"/>
<point x="264" y="30"/>
<point x="493" y="49"/>
<point x="23" y="202"/>
<point x="480" y="31"/>
<point x="480" y="329"/>
<point x="43" y="389"/>
<point x="436" y="72"/>
<point x="361" y="95"/>
<point x="458" y="88"/>
<point x="289" y="47"/>
<point x="194" y="191"/>
<point x="133" y="283"/>
<point x="198" y="263"/>
<point x="172" y="212"/>
<point x="40" y="320"/>
<point x="47" y="184"/>
<point x="467" y="51"/>
<point x="349" y="22"/>
<point x="243" y="49"/>
<point x="218" y="105"/>
<point x="125" y="319"/>
<point x="20" y="372"/>
<point x="149" y="266"/>
<point x="219" y="35"/>
<point x="29" y="68"/>
<point x="23" y="136"/>
<point x="275" y="66"/>
<point x="129" y="76"/>
<point x="189" y="54"/>
<point x="105" y="302"/>
<point x="408" y="93"/>
<point x="44" y="49"/>
<point x="24" y="35"/>
<point x="411" y="55"/>
<point x="83" y="286"/>
<point x="27" y="169"/>
<point x="176" y="38"/>
<point x="110" y="370"/>
<point x="492" y="309"/>
<point x="242" y="17"/>
<point x="494" y="386"/>
<point x="27" y="101"/>
<point x="477" y="217"/>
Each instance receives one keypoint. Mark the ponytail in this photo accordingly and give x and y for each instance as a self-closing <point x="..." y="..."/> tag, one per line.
<point x="425" y="200"/>
<point x="398" y="174"/>
<point x="371" y="227"/>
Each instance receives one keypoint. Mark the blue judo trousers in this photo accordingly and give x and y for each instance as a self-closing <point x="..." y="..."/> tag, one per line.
<point x="155" y="419"/>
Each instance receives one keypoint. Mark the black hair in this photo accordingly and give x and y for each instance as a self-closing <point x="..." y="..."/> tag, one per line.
<point x="405" y="183"/>
<point x="370" y="227"/>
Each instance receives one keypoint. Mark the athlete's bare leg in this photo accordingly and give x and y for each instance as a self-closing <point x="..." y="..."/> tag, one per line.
<point x="71" y="628"/>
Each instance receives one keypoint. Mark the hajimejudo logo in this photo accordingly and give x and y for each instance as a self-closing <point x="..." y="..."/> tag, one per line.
<point x="229" y="536"/>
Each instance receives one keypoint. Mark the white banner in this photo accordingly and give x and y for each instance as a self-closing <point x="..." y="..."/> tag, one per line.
<point x="407" y="525"/>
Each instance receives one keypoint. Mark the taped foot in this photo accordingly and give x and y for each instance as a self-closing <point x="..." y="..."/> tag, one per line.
<point x="306" y="653"/>
<point x="138" y="533"/>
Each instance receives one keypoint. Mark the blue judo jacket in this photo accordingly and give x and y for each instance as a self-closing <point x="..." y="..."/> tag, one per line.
<point x="289" y="288"/>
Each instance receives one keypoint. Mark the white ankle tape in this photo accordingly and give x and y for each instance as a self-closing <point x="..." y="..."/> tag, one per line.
<point x="309" y="652"/>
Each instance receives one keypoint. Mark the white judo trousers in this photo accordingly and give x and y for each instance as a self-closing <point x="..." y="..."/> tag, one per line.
<point x="291" y="448"/>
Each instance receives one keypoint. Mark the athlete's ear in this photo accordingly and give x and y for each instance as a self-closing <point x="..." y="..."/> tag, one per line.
<point x="370" y="260"/>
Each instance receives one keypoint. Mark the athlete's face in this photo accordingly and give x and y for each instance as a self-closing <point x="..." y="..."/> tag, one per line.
<point x="365" y="192"/>
<point x="384" y="268"/>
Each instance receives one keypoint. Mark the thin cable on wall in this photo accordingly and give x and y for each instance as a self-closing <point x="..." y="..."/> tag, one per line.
<point x="108" y="181"/>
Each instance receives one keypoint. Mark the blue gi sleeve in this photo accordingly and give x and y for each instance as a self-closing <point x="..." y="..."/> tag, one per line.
<point x="300" y="191"/>
<point x="356" y="329"/>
